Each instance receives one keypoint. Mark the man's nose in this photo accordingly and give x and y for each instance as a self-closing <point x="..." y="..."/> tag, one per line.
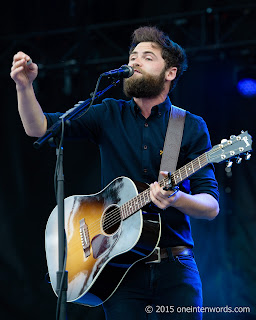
<point x="137" y="62"/>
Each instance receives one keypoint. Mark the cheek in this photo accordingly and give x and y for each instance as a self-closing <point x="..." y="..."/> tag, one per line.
<point x="156" y="69"/>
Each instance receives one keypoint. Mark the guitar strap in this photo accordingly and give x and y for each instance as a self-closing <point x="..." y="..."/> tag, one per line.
<point x="173" y="140"/>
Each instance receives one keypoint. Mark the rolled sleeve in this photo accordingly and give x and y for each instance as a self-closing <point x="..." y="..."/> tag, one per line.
<point x="196" y="142"/>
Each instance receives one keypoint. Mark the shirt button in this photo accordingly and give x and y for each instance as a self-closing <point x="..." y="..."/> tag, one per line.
<point x="145" y="147"/>
<point x="146" y="124"/>
<point x="145" y="170"/>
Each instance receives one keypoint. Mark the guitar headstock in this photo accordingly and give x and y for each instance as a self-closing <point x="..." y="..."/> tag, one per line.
<point x="234" y="147"/>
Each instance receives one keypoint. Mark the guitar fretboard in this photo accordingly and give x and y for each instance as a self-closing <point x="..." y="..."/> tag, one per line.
<point x="143" y="198"/>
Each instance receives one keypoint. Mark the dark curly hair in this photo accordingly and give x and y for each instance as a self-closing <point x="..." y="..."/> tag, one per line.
<point x="173" y="54"/>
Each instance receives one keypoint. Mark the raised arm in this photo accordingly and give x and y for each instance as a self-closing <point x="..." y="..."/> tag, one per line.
<point x="24" y="72"/>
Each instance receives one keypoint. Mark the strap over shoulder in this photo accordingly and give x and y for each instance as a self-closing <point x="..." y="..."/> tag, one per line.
<point x="173" y="140"/>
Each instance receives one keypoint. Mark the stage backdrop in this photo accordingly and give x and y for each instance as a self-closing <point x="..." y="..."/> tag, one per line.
<point x="224" y="247"/>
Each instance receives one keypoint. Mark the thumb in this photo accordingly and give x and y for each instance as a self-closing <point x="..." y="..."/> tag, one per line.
<point x="164" y="173"/>
<point x="31" y="65"/>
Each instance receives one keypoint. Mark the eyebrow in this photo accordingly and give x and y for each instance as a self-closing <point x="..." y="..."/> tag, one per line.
<point x="143" y="53"/>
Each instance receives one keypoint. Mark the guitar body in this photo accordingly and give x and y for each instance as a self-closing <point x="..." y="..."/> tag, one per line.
<point x="101" y="245"/>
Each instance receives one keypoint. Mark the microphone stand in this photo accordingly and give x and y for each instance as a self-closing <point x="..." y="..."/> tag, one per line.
<point x="52" y="134"/>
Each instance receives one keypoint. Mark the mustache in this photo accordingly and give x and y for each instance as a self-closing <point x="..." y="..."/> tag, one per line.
<point x="139" y="70"/>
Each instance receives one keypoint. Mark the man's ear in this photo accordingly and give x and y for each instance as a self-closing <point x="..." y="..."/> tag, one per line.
<point x="171" y="73"/>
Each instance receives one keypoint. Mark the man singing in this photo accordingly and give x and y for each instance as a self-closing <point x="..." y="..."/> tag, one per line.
<point x="130" y="135"/>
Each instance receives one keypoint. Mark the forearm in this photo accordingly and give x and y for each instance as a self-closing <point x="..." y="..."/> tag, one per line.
<point x="32" y="117"/>
<point x="199" y="206"/>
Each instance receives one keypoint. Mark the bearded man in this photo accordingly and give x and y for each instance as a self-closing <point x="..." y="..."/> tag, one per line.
<point x="130" y="135"/>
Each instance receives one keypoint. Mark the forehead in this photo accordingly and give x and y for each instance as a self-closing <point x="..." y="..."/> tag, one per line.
<point x="147" y="47"/>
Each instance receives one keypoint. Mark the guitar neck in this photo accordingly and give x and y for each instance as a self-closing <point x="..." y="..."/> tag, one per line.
<point x="143" y="198"/>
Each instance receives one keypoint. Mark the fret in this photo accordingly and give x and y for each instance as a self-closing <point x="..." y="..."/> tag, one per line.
<point x="190" y="168"/>
<point x="204" y="159"/>
<point x="125" y="210"/>
<point x="175" y="182"/>
<point x="123" y="214"/>
<point x="199" y="166"/>
<point x="195" y="164"/>
<point x="147" y="196"/>
<point x="186" y="171"/>
<point x="178" y="176"/>
<point x="183" y="173"/>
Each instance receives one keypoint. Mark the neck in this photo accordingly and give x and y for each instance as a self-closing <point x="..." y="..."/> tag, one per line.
<point x="146" y="104"/>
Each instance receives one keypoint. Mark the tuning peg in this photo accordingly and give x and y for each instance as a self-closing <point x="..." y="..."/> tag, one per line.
<point x="223" y="141"/>
<point x="229" y="164"/>
<point x="238" y="160"/>
<point x="247" y="156"/>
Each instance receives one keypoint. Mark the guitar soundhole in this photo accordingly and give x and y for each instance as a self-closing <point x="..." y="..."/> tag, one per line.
<point x="111" y="219"/>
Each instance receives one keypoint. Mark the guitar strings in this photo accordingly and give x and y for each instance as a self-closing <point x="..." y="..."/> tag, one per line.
<point x="195" y="164"/>
<point x="115" y="216"/>
<point x="95" y="227"/>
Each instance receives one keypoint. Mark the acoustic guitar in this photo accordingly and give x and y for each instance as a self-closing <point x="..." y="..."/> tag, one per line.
<point x="107" y="232"/>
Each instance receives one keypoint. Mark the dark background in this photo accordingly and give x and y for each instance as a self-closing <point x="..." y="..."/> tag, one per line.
<point x="73" y="42"/>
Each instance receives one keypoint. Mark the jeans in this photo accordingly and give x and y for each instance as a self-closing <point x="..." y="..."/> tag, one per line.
<point x="171" y="289"/>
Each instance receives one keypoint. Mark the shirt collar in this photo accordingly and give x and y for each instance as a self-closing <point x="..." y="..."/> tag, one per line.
<point x="159" y="109"/>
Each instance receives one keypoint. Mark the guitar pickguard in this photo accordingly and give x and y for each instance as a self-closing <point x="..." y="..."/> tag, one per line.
<point x="102" y="244"/>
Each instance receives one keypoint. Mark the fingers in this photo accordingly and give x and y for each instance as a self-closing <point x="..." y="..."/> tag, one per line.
<point x="15" y="71"/>
<point x="17" y="68"/>
<point x="19" y="56"/>
<point x="159" y="196"/>
<point x="21" y="59"/>
<point x="18" y="64"/>
<point x="23" y="70"/>
<point x="164" y="173"/>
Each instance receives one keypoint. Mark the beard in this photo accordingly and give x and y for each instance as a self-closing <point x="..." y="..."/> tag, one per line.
<point x="145" y="86"/>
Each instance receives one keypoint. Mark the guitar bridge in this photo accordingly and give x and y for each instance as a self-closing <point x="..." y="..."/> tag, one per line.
<point x="84" y="234"/>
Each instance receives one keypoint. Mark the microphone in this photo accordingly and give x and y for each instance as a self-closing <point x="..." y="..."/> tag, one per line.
<point x="124" y="72"/>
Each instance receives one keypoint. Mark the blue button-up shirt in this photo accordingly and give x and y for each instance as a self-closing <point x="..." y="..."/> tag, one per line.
<point x="131" y="145"/>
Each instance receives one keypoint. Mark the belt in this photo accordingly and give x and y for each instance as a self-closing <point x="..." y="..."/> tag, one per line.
<point x="162" y="253"/>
